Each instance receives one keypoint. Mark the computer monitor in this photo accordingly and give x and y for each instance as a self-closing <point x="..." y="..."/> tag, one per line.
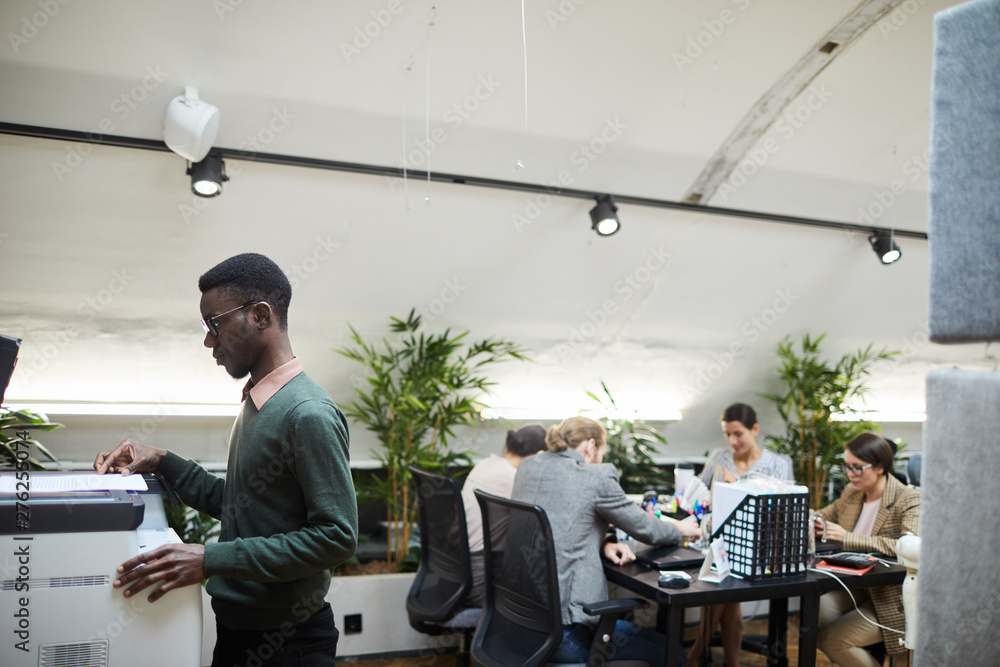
<point x="8" y="359"/>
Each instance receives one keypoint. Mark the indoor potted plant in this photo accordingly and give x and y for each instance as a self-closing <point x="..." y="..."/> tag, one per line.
<point x="817" y="390"/>
<point x="632" y="442"/>
<point x="418" y="387"/>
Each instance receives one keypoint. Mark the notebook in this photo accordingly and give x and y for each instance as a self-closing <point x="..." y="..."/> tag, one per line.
<point x="668" y="558"/>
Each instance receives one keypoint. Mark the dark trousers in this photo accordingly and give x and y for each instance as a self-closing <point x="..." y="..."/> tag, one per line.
<point x="312" y="643"/>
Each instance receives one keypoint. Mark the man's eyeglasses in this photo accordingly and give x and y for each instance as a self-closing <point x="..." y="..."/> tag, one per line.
<point x="854" y="470"/>
<point x="210" y="324"/>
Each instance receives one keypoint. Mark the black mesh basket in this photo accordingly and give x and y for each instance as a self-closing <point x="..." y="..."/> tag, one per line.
<point x="768" y="536"/>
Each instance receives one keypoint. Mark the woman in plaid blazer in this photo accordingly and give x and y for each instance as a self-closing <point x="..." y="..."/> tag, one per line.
<point x="871" y="514"/>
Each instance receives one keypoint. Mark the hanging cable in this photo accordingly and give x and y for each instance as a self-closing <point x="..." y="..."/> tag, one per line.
<point x="406" y="88"/>
<point x="524" y="42"/>
<point x="427" y="109"/>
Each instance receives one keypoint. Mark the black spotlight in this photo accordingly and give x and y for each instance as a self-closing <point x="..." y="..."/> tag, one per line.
<point x="208" y="175"/>
<point x="885" y="247"/>
<point x="604" y="216"/>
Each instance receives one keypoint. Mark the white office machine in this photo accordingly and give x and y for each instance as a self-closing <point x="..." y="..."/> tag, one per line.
<point x="58" y="561"/>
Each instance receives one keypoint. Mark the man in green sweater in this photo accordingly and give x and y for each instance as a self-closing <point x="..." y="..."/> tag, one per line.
<point x="287" y="505"/>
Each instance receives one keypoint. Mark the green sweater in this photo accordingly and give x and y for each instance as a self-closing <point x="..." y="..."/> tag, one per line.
<point x="288" y="508"/>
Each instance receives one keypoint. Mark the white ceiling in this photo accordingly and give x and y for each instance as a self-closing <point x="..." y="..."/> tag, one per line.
<point x="102" y="246"/>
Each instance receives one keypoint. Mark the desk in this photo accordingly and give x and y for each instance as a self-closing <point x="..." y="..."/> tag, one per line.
<point x="808" y="587"/>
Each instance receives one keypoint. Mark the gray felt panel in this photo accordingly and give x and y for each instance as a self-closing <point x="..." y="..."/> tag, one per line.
<point x="964" y="224"/>
<point x="959" y="578"/>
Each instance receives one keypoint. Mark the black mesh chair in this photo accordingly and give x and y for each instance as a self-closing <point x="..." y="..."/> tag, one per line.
<point x="522" y="622"/>
<point x="913" y="469"/>
<point x="435" y="604"/>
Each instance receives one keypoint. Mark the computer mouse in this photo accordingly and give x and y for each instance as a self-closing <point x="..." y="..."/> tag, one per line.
<point x="673" y="581"/>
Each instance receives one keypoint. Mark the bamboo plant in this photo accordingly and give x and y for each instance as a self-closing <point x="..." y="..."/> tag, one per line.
<point x="816" y="390"/>
<point x="631" y="445"/>
<point x="418" y="387"/>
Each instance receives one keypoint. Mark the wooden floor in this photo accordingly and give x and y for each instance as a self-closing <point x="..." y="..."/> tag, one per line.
<point x="748" y="660"/>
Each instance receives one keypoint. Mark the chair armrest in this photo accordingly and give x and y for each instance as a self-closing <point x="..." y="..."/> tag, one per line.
<point x="616" y="607"/>
<point x="609" y="611"/>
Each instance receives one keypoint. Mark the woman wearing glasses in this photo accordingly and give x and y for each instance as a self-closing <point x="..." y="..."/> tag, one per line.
<point x="871" y="514"/>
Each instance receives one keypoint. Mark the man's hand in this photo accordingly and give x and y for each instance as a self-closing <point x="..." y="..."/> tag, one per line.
<point x="176" y="565"/>
<point x="129" y="457"/>
<point x="618" y="553"/>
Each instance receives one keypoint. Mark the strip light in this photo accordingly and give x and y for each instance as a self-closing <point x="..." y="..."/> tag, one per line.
<point x="874" y="416"/>
<point x="554" y="413"/>
<point x="131" y="409"/>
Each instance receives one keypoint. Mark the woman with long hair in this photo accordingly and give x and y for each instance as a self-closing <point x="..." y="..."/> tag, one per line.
<point x="874" y="510"/>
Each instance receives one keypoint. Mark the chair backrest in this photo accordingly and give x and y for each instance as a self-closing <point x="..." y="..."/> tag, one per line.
<point x="444" y="576"/>
<point x="913" y="469"/>
<point x="521" y="622"/>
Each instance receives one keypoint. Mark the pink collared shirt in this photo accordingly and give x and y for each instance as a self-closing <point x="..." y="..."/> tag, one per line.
<point x="269" y="385"/>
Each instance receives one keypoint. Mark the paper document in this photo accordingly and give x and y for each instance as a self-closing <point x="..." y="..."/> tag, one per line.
<point x="42" y="483"/>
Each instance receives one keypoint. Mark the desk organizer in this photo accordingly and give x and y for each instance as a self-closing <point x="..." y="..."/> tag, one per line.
<point x="766" y="534"/>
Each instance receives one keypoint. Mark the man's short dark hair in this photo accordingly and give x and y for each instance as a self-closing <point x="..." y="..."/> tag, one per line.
<point x="251" y="277"/>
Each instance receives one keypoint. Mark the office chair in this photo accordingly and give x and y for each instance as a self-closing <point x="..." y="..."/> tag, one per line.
<point x="913" y="469"/>
<point x="522" y="622"/>
<point x="435" y="603"/>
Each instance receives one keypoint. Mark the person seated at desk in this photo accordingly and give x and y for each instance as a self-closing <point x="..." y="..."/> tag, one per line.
<point x="873" y="512"/>
<point x="581" y="498"/>
<point x="730" y="464"/>
<point x="494" y="475"/>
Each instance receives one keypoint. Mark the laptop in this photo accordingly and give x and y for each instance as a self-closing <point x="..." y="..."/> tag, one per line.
<point x="668" y="558"/>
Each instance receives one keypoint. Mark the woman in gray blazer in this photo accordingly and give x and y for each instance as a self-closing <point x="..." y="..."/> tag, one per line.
<point x="582" y="497"/>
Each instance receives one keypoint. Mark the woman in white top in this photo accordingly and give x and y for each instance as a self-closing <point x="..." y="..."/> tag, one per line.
<point x="730" y="464"/>
<point x="743" y="456"/>
<point x="495" y="475"/>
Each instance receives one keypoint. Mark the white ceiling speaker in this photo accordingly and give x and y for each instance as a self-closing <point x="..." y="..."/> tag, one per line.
<point x="190" y="126"/>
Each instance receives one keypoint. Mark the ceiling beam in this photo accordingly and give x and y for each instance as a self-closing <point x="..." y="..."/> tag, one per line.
<point x="440" y="177"/>
<point x="769" y="108"/>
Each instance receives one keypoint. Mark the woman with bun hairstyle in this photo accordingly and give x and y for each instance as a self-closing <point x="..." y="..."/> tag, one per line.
<point x="494" y="474"/>
<point x="872" y="513"/>
<point x="730" y="464"/>
<point x="582" y="497"/>
<point x="743" y="455"/>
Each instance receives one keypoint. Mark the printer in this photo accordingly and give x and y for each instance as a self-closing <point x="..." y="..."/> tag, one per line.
<point x="58" y="562"/>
